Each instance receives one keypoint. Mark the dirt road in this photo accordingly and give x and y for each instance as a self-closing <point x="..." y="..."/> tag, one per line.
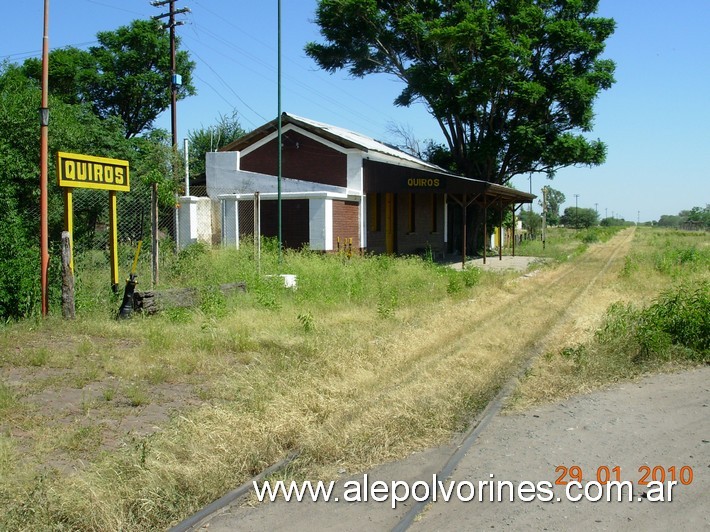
<point x="654" y="424"/>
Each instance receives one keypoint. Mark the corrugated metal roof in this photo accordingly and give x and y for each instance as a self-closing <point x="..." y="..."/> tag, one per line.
<point x="375" y="151"/>
<point x="338" y="135"/>
<point x="367" y="143"/>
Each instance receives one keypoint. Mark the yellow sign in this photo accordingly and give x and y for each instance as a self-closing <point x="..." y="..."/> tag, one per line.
<point x="86" y="171"/>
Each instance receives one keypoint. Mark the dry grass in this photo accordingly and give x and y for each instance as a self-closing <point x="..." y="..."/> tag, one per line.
<point x="659" y="260"/>
<point x="107" y="425"/>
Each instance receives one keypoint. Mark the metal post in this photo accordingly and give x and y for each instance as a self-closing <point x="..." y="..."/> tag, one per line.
<point x="173" y="72"/>
<point x="257" y="230"/>
<point x="544" y="216"/>
<point x="280" y="160"/>
<point x="464" y="208"/>
<point x="501" y="236"/>
<point x="485" y="227"/>
<point x="187" y="167"/>
<point x="44" y="149"/>
<point x="513" y="208"/>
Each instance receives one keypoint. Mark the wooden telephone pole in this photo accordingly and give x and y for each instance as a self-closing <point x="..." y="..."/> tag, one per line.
<point x="175" y="83"/>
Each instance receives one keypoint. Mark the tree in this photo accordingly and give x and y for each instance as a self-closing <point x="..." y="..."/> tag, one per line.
<point x="614" y="222"/>
<point x="68" y="71"/>
<point x="203" y="140"/>
<point x="133" y="79"/>
<point x="511" y="83"/>
<point x="74" y="128"/>
<point x="699" y="217"/>
<point x="532" y="221"/>
<point x="579" y="217"/>
<point x="405" y="139"/>
<point x="670" y="220"/>
<point x="127" y="75"/>
<point x="555" y="198"/>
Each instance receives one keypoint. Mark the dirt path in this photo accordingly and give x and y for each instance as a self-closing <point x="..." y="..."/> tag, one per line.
<point x="528" y="316"/>
<point x="663" y="421"/>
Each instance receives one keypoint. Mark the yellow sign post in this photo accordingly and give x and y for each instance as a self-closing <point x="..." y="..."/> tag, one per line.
<point x="86" y="171"/>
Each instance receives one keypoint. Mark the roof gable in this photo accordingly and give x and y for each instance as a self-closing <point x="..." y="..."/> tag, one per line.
<point x="371" y="148"/>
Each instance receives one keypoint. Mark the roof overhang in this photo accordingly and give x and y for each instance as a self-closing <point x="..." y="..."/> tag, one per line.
<point x="382" y="177"/>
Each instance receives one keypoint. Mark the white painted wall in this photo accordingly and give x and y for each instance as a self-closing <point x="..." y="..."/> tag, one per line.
<point x="230" y="219"/>
<point x="224" y="177"/>
<point x="355" y="172"/>
<point x="320" y="224"/>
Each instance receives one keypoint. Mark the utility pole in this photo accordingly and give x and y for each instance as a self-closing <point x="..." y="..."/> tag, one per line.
<point x="175" y="83"/>
<point x="43" y="163"/>
<point x="175" y="78"/>
<point x="576" y="212"/>
<point x="544" y="216"/>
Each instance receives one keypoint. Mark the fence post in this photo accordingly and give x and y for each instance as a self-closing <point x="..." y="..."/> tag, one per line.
<point x="154" y="232"/>
<point x="68" y="307"/>
<point x="257" y="231"/>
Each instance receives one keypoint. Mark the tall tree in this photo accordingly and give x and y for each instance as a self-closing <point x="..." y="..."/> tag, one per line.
<point x="510" y="82"/>
<point x="127" y="75"/>
<point x="555" y="198"/>
<point x="203" y="140"/>
<point x="133" y="78"/>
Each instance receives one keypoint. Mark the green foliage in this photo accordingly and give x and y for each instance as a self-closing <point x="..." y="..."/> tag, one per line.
<point x="307" y="321"/>
<point x="512" y="84"/>
<point x="74" y="128"/>
<point x="212" y="301"/>
<point x="554" y="199"/>
<point x="675" y="326"/>
<point x="471" y="277"/>
<point x="673" y="261"/>
<point x="680" y="316"/>
<point x="127" y="75"/>
<point x="695" y="218"/>
<point x="204" y="140"/>
<point x="19" y="264"/>
<point x="579" y="217"/>
<point x="532" y="221"/>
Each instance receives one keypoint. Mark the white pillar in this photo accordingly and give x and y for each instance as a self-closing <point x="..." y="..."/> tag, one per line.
<point x="363" y="221"/>
<point x="230" y="219"/>
<point x="187" y="221"/>
<point x="320" y="226"/>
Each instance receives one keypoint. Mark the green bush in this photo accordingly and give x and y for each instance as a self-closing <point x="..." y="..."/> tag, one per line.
<point x="19" y="267"/>
<point x="676" y="324"/>
<point x="678" y="317"/>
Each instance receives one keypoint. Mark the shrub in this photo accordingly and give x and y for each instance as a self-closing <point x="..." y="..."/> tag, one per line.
<point x="19" y="263"/>
<point x="680" y="317"/>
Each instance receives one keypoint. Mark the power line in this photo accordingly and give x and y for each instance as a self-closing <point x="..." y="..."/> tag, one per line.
<point x="227" y="85"/>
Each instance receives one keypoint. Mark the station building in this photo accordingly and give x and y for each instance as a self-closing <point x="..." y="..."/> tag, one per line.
<point x="340" y="188"/>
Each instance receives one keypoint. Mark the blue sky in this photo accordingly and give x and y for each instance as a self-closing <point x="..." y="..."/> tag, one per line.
<point x="655" y="119"/>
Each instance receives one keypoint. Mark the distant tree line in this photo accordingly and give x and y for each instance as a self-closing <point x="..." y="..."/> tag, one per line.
<point x="695" y="218"/>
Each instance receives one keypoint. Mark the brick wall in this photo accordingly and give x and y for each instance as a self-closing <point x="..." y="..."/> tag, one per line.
<point x="346" y="218"/>
<point x="302" y="158"/>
